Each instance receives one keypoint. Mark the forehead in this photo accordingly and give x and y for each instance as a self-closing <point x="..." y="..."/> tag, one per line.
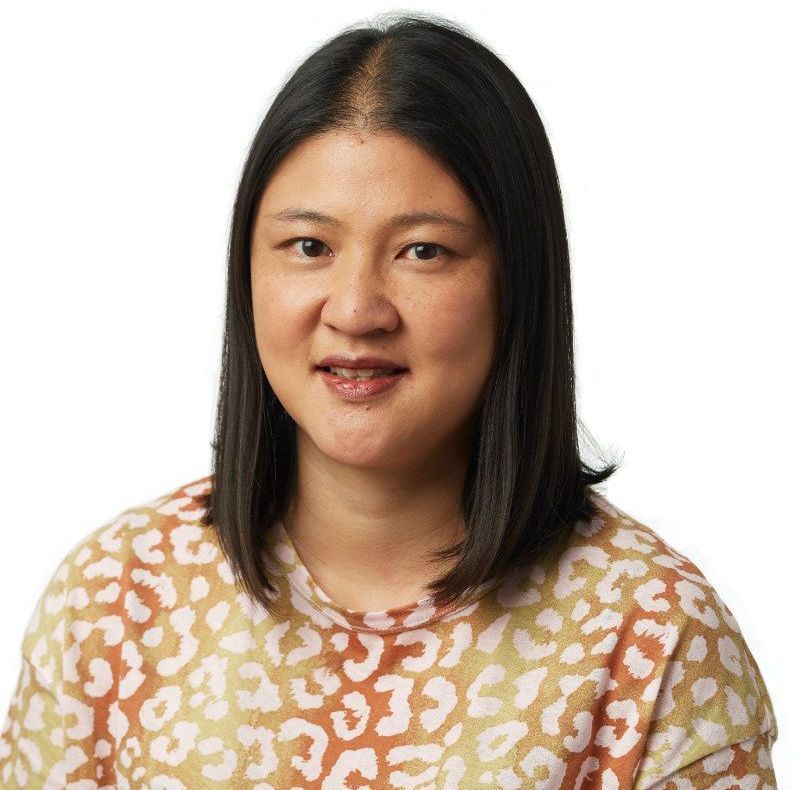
<point x="346" y="173"/>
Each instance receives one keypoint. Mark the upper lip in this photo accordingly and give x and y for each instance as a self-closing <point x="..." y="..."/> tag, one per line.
<point x="343" y="361"/>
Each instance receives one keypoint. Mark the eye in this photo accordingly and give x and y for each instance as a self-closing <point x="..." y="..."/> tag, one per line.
<point x="430" y="247"/>
<point x="308" y="245"/>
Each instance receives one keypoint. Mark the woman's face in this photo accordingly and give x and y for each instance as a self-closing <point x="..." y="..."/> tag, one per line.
<point x="360" y="285"/>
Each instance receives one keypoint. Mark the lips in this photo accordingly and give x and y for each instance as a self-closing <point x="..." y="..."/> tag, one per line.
<point x="358" y="390"/>
<point x="355" y="363"/>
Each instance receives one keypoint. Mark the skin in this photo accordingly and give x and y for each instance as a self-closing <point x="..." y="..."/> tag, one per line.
<point x="378" y="483"/>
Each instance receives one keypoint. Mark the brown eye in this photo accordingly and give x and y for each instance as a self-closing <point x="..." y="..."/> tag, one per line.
<point x="308" y="246"/>
<point x="427" y="249"/>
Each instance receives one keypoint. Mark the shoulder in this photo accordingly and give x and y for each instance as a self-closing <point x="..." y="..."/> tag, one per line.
<point x="677" y="651"/>
<point x="151" y="555"/>
<point x="626" y="561"/>
<point x="164" y="531"/>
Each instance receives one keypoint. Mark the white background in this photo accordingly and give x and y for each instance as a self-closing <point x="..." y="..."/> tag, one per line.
<point x="675" y="131"/>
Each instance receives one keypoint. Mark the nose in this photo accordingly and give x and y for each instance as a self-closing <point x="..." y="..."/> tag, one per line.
<point x="358" y="298"/>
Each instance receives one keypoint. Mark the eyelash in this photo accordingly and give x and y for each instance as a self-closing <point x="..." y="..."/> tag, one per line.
<point x="444" y="252"/>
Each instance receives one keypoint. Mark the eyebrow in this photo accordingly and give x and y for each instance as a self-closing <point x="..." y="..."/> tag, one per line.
<point x="407" y="220"/>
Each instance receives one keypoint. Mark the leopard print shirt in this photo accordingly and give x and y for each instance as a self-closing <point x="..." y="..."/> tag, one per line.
<point x="616" y="665"/>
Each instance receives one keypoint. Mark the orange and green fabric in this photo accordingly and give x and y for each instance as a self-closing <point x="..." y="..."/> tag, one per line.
<point x="615" y="666"/>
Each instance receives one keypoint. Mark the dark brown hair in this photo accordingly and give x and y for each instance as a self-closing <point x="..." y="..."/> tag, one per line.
<point x="526" y="485"/>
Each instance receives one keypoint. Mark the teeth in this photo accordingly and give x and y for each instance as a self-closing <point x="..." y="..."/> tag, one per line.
<point x="361" y="373"/>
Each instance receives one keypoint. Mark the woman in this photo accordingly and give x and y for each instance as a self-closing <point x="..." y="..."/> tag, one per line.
<point x="398" y="574"/>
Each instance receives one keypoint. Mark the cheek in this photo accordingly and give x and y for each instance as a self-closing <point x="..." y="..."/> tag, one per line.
<point x="278" y="324"/>
<point x="458" y="330"/>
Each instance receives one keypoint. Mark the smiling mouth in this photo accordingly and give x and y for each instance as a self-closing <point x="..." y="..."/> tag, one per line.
<point x="356" y="374"/>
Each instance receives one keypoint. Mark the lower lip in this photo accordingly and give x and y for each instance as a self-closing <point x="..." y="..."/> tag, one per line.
<point x="355" y="390"/>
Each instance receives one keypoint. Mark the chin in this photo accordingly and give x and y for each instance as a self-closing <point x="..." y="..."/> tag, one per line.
<point x="355" y="451"/>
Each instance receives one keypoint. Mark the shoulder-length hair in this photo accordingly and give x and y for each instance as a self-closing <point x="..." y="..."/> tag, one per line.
<point x="427" y="78"/>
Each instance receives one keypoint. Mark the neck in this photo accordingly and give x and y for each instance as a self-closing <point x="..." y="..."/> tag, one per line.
<point x="364" y="533"/>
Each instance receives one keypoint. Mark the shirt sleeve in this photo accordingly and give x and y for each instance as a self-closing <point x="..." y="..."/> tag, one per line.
<point x="32" y="737"/>
<point x="712" y="717"/>
<point x="744" y="764"/>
